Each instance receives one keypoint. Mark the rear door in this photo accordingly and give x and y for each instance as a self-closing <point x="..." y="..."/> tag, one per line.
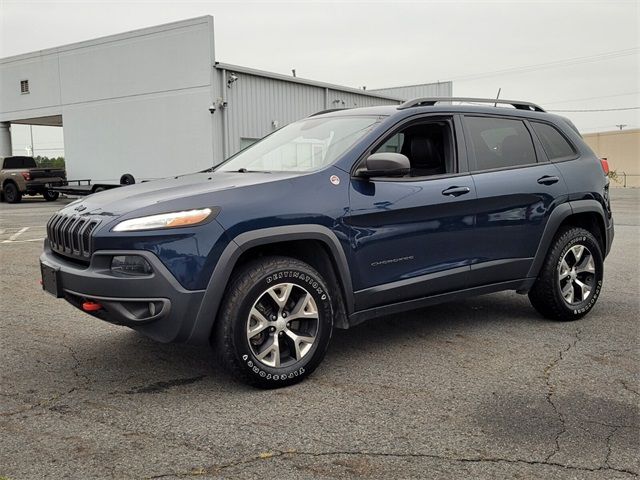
<point x="516" y="187"/>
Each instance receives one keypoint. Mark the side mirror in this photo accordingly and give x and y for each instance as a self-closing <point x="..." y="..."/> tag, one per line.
<point x="385" y="164"/>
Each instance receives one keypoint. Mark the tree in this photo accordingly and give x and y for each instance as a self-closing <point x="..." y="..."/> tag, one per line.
<point x="46" y="162"/>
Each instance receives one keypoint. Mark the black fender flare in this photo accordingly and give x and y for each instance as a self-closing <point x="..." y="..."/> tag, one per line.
<point x="217" y="285"/>
<point x="557" y="216"/>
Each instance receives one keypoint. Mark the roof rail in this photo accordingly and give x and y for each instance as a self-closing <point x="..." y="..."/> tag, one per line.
<point x="329" y="110"/>
<point x="431" y="101"/>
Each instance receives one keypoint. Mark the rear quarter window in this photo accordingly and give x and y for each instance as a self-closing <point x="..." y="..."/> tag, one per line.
<point x="553" y="142"/>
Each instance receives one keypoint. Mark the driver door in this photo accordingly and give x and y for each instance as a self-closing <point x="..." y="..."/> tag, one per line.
<point x="411" y="236"/>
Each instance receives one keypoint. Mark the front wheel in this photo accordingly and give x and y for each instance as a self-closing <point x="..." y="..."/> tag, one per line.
<point x="275" y="324"/>
<point x="50" y="195"/>
<point x="571" y="277"/>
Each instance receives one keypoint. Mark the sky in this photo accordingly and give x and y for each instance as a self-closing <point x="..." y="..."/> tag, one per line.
<point x="563" y="55"/>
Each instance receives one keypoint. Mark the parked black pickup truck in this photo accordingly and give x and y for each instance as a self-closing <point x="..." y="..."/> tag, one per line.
<point x="21" y="176"/>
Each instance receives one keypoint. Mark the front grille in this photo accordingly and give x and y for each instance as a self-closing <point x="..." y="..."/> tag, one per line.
<point x="70" y="235"/>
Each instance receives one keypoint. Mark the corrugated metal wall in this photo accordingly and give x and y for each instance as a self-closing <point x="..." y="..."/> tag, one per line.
<point x="441" y="89"/>
<point x="339" y="99"/>
<point x="255" y="102"/>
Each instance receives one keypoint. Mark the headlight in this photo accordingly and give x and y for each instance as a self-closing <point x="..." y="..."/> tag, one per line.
<point x="164" y="220"/>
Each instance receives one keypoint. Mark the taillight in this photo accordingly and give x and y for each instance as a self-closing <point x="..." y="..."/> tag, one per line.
<point x="26" y="175"/>
<point x="605" y="165"/>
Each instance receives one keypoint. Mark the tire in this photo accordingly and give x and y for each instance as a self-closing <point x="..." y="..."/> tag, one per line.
<point x="50" y="196"/>
<point x="11" y="193"/>
<point x="249" y="305"/>
<point x="574" y="262"/>
<point x="127" y="179"/>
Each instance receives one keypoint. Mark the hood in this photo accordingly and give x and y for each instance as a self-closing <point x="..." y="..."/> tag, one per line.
<point x="118" y="201"/>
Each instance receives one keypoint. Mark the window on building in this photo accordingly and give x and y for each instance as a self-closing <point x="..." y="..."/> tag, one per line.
<point x="247" y="142"/>
<point x="553" y="142"/>
<point x="24" y="86"/>
<point x="500" y="143"/>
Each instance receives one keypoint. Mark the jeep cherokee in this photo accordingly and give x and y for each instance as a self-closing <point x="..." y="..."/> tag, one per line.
<point x="338" y="218"/>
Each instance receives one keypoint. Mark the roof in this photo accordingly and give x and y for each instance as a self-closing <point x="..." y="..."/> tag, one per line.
<point x="305" y="81"/>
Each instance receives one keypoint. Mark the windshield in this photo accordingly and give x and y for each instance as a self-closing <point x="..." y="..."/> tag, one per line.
<point x="302" y="146"/>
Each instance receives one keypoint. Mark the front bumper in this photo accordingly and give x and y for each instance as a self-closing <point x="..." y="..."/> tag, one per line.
<point x="156" y="305"/>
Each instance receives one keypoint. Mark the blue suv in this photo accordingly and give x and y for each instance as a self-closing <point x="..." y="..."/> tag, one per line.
<point x="339" y="218"/>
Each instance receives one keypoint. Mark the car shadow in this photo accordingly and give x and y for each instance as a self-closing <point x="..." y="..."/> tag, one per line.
<point x="123" y="361"/>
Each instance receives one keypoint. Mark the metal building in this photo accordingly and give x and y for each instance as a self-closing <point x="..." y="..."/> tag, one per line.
<point x="154" y="102"/>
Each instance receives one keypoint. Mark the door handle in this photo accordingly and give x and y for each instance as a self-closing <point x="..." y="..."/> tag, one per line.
<point x="548" y="180"/>
<point x="456" y="191"/>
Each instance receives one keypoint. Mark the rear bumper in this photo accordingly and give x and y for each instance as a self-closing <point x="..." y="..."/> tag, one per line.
<point x="156" y="305"/>
<point x="41" y="184"/>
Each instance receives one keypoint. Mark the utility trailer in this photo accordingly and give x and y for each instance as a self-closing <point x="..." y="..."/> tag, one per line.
<point x="85" y="187"/>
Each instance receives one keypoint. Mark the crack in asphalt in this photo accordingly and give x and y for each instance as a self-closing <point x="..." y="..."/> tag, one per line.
<point x="47" y="401"/>
<point x="214" y="469"/>
<point x="605" y="463"/>
<point x="628" y="388"/>
<point x="76" y="367"/>
<point x="158" y="387"/>
<point x="41" y="403"/>
<point x="551" y="390"/>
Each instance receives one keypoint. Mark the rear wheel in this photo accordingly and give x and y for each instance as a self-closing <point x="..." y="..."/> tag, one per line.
<point x="50" y="195"/>
<point x="11" y="193"/>
<point x="571" y="277"/>
<point x="275" y="324"/>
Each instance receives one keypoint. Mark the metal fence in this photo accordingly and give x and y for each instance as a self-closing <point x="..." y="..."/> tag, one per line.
<point x="624" y="180"/>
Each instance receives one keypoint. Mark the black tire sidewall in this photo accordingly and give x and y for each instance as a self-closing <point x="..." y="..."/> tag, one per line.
<point x="286" y="375"/>
<point x="14" y="193"/>
<point x="587" y="240"/>
<point x="50" y="196"/>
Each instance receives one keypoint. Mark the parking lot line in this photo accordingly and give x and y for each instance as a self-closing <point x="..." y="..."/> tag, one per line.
<point x="17" y="234"/>
<point x="23" y="241"/>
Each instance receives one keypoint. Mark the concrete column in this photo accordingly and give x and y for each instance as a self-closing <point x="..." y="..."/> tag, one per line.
<point x="5" y="140"/>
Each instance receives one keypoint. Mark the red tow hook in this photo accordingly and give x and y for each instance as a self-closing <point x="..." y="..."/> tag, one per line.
<point x="91" y="306"/>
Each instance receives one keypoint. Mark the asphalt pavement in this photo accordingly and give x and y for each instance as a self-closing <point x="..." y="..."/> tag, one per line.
<point x="481" y="388"/>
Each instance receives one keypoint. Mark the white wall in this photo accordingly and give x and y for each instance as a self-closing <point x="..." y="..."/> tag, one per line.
<point x="130" y="103"/>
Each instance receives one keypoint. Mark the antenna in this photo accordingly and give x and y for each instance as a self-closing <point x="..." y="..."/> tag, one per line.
<point x="497" y="97"/>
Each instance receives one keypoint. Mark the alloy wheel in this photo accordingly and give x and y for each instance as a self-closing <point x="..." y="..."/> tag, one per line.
<point x="576" y="274"/>
<point x="283" y="325"/>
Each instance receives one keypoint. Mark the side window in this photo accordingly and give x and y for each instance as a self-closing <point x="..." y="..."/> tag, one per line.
<point x="392" y="145"/>
<point x="554" y="144"/>
<point x="428" y="146"/>
<point x="12" y="162"/>
<point x="500" y="142"/>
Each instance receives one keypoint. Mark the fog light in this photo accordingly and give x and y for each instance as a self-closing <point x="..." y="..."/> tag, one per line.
<point x="130" y="265"/>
